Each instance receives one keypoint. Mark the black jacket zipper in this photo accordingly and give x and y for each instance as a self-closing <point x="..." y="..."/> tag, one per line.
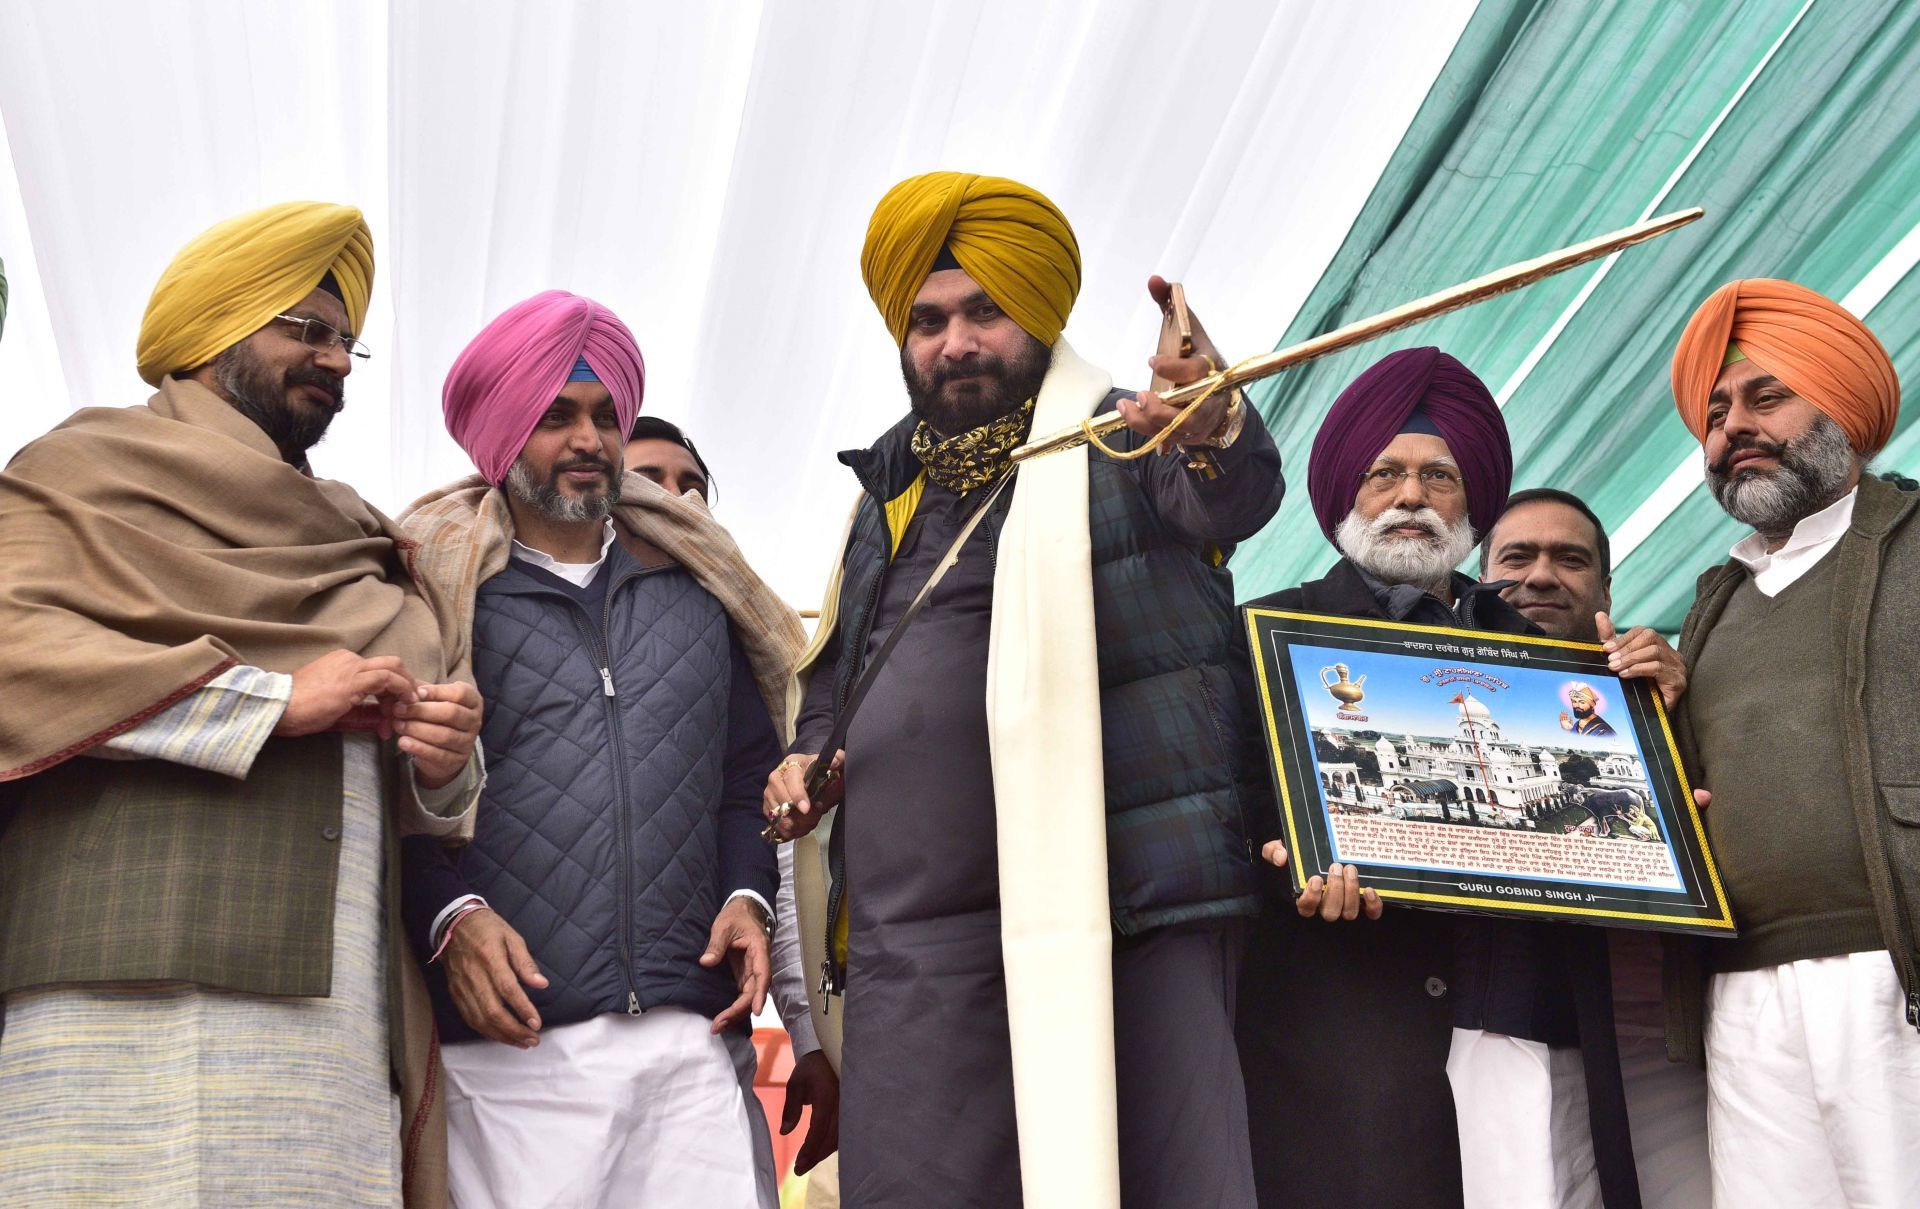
<point x="597" y="644"/>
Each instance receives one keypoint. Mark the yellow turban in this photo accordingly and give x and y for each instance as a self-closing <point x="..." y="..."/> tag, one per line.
<point x="1805" y="339"/>
<point x="1007" y="237"/>
<point x="237" y="275"/>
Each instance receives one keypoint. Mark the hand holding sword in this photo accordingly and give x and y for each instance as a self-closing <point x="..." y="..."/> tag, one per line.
<point x="1196" y="395"/>
<point x="1186" y="356"/>
<point x="796" y="798"/>
<point x="802" y="788"/>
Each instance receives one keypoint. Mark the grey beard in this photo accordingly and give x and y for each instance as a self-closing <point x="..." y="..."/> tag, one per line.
<point x="1813" y="472"/>
<point x="548" y="501"/>
<point x="1426" y="562"/>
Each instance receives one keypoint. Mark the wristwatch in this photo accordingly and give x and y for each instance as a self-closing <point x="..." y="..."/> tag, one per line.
<point x="1200" y="457"/>
<point x="1230" y="424"/>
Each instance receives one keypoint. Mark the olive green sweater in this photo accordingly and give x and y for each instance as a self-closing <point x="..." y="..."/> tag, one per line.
<point x="1871" y="634"/>
<point x="1770" y="748"/>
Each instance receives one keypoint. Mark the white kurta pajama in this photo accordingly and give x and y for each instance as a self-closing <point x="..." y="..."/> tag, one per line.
<point x="1813" y="1072"/>
<point x="170" y="1093"/>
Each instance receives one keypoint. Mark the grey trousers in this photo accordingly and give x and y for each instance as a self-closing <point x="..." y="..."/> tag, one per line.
<point x="1183" y="1105"/>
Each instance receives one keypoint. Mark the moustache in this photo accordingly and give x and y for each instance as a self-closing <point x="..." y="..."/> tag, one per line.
<point x="980" y="366"/>
<point x="1403" y="518"/>
<point x="585" y="463"/>
<point x="334" y="384"/>
<point x="1725" y="460"/>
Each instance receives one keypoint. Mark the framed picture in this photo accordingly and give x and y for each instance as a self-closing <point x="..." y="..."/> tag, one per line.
<point x="1469" y="771"/>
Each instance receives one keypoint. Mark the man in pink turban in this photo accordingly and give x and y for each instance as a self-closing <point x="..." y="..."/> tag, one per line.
<point x="507" y="378"/>
<point x="613" y="909"/>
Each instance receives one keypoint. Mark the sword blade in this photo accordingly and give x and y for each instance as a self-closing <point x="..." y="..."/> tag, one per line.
<point x="1490" y="285"/>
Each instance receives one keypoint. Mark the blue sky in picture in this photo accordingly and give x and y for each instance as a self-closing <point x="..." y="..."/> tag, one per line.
<point x="1398" y="701"/>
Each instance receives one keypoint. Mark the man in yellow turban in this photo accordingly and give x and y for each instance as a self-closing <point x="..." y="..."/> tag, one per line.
<point x="221" y="691"/>
<point x="1799" y="716"/>
<point x="1039" y="897"/>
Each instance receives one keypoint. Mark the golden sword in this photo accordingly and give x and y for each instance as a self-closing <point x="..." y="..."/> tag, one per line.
<point x="1492" y="285"/>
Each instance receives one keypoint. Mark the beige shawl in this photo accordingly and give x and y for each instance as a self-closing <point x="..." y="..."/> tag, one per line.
<point x="147" y="549"/>
<point x="466" y="536"/>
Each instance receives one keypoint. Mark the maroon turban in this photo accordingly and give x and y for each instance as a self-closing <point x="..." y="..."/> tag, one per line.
<point x="1375" y="408"/>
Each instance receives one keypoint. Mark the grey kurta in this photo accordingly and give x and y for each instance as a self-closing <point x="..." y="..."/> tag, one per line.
<point x="168" y="1093"/>
<point x="926" y="1109"/>
<point x="926" y="1096"/>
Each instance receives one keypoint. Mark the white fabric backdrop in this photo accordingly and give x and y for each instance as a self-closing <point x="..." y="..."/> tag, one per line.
<point x="705" y="169"/>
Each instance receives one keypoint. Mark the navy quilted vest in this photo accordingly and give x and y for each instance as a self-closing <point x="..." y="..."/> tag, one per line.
<point x="597" y="832"/>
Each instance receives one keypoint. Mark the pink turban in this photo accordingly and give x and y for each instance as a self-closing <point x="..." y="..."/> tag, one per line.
<point x="1377" y="406"/>
<point x="505" y="380"/>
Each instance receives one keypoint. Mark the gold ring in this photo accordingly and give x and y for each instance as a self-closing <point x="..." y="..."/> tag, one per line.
<point x="1213" y="367"/>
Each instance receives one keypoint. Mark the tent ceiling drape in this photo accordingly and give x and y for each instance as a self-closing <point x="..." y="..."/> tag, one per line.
<point x="706" y="169"/>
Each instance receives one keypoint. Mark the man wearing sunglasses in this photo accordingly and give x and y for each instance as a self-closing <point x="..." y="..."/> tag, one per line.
<point x="203" y="1004"/>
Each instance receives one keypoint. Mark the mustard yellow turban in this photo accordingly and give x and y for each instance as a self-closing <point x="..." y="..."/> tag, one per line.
<point x="1007" y="237"/>
<point x="238" y="274"/>
<point x="1805" y="339"/>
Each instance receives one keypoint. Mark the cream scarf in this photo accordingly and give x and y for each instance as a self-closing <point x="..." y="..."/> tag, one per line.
<point x="1043" y="729"/>
<point x="466" y="536"/>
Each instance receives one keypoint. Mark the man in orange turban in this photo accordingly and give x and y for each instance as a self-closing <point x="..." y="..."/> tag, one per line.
<point x="1800" y="718"/>
<point x="1078" y="932"/>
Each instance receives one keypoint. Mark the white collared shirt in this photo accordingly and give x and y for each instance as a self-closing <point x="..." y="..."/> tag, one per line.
<point x="580" y="575"/>
<point x="1810" y="542"/>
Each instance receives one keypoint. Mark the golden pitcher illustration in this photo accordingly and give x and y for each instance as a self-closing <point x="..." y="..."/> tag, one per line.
<point x="1346" y="692"/>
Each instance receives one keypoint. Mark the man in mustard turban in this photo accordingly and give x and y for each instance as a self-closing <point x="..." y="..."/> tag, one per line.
<point x="1800" y="718"/>
<point x="1038" y="901"/>
<point x="221" y="692"/>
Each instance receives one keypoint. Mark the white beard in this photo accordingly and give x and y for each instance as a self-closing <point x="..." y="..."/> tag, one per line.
<point x="1426" y="562"/>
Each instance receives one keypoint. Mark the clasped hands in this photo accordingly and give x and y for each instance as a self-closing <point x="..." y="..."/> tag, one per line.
<point x="437" y="723"/>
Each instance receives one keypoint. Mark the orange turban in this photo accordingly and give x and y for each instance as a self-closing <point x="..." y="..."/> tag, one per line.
<point x="235" y="276"/>
<point x="1807" y="340"/>
<point x="1007" y="237"/>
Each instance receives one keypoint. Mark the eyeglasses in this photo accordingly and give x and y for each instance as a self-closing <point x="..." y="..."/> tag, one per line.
<point x="1384" y="480"/>
<point x="321" y="335"/>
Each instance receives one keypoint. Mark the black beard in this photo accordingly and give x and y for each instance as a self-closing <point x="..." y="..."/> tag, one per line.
<point x="1583" y="714"/>
<point x="256" y="392"/>
<point x="999" y="390"/>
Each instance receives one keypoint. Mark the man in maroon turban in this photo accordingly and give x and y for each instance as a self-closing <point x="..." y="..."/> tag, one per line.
<point x="1409" y="471"/>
